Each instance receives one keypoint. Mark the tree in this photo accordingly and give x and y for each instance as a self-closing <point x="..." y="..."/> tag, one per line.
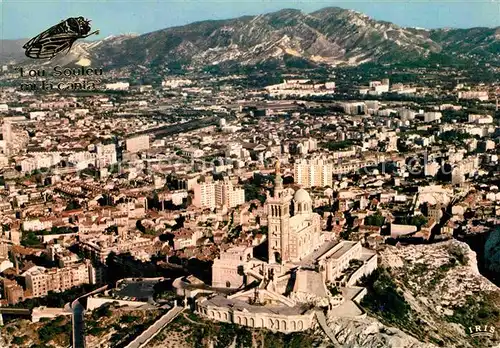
<point x="338" y="145"/>
<point x="264" y="230"/>
<point x="128" y="319"/>
<point x="299" y="340"/>
<point x="346" y="234"/>
<point x="277" y="257"/>
<point x="103" y="311"/>
<point x="383" y="298"/>
<point x="111" y="230"/>
<point x="418" y="220"/>
<point x="375" y="220"/>
<point x="56" y="327"/>
<point x="73" y="205"/>
<point x="30" y="240"/>
<point x="140" y="226"/>
<point x="19" y="340"/>
<point x="243" y="337"/>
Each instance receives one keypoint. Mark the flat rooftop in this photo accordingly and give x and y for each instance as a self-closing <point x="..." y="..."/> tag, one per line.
<point x="343" y="249"/>
<point x="367" y="254"/>
<point x="323" y="249"/>
<point x="237" y="249"/>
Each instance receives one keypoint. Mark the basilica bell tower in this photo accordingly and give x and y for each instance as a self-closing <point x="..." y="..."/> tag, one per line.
<point x="278" y="221"/>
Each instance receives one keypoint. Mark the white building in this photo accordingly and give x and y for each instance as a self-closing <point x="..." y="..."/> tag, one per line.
<point x="204" y="195"/>
<point x="106" y="155"/>
<point x="217" y="194"/>
<point x="480" y="95"/>
<point x="227" y="265"/>
<point x="118" y="86"/>
<point x="39" y="280"/>
<point x="137" y="144"/>
<point x="431" y="169"/>
<point x="376" y="87"/>
<point x="300" y="88"/>
<point x="480" y="119"/>
<point x="355" y="108"/>
<point x="37" y="224"/>
<point x="292" y="285"/>
<point x="175" y="83"/>
<point x="37" y="115"/>
<point x="227" y="195"/>
<point x="406" y="114"/>
<point x="313" y="173"/>
<point x="432" y="116"/>
<point x="192" y="152"/>
<point x="38" y="161"/>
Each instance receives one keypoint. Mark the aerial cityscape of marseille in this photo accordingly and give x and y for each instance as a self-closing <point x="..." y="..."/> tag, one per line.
<point x="248" y="174"/>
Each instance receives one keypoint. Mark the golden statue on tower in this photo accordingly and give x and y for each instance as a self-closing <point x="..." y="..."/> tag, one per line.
<point x="277" y="167"/>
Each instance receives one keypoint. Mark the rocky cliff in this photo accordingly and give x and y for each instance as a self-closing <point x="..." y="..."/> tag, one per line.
<point x="442" y="293"/>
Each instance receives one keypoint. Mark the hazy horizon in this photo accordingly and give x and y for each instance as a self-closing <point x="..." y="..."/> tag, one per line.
<point x="124" y="17"/>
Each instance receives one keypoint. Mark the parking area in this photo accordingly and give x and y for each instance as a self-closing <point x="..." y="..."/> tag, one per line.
<point x="136" y="290"/>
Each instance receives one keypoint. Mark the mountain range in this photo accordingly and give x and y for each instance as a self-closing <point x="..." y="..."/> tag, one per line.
<point x="331" y="36"/>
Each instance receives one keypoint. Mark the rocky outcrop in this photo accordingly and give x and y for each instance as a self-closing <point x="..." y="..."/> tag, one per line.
<point x="444" y="288"/>
<point x="370" y="333"/>
<point x="446" y="294"/>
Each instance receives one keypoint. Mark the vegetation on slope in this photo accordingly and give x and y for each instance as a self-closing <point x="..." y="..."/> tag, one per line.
<point x="190" y="330"/>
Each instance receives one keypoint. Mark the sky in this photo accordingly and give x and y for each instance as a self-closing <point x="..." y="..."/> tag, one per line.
<point x="27" y="18"/>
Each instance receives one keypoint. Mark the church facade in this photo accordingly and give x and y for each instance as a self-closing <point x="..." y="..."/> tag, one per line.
<point x="291" y="238"/>
<point x="293" y="284"/>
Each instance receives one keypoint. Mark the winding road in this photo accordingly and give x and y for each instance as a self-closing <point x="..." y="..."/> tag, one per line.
<point x="78" y="323"/>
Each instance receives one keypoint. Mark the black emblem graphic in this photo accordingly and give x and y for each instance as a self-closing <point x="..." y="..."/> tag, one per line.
<point x="58" y="38"/>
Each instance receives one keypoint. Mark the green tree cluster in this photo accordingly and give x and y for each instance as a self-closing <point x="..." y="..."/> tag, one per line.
<point x="55" y="327"/>
<point x="383" y="298"/>
<point x="30" y="240"/>
<point x="338" y="145"/>
<point x="57" y="230"/>
<point x="73" y="205"/>
<point x="375" y="220"/>
<point x="417" y="220"/>
<point x="453" y="136"/>
<point x="19" y="340"/>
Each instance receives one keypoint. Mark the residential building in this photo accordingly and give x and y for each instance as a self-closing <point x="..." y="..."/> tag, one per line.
<point x="204" y="195"/>
<point x="313" y="173"/>
<point x="228" y="195"/>
<point x="40" y="280"/>
<point x="137" y="144"/>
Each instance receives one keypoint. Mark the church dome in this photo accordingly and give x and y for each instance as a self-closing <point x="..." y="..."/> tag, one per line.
<point x="301" y="195"/>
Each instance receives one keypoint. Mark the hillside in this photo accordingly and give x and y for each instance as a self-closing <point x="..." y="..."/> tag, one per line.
<point x="331" y="36"/>
<point x="434" y="293"/>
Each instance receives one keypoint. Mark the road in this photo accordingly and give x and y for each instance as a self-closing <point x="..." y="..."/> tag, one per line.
<point x="78" y="322"/>
<point x="153" y="330"/>
<point x="78" y="325"/>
